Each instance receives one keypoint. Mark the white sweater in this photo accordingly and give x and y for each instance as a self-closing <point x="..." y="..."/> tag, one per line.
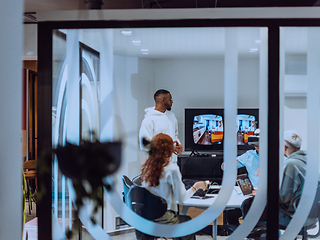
<point x="156" y="122"/>
<point x="171" y="187"/>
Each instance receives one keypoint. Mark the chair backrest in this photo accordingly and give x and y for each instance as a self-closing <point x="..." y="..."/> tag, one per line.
<point x="127" y="183"/>
<point x="145" y="204"/>
<point x="136" y="180"/>
<point x="30" y="169"/>
<point x="30" y="164"/>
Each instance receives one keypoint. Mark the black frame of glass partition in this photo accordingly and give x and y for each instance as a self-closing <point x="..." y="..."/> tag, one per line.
<point x="45" y="30"/>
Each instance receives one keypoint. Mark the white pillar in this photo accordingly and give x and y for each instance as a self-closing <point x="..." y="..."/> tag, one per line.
<point x="10" y="120"/>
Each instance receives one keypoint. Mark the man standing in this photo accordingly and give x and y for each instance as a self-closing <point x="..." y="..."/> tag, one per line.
<point x="293" y="176"/>
<point x="160" y="119"/>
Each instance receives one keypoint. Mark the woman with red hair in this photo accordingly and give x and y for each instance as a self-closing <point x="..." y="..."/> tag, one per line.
<point x="163" y="178"/>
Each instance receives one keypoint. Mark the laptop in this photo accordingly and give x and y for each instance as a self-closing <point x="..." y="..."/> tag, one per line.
<point x="204" y="194"/>
<point x="245" y="184"/>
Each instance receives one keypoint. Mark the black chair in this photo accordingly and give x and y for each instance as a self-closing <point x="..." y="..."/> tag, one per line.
<point x="260" y="230"/>
<point x="136" y="180"/>
<point x="145" y="204"/>
<point x="313" y="217"/>
<point x="127" y="183"/>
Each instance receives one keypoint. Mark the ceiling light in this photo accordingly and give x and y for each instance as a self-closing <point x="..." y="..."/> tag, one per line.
<point x="136" y="42"/>
<point x="145" y="53"/>
<point x="253" y="49"/>
<point x="126" y="32"/>
<point x="144" y="50"/>
<point x="257" y="41"/>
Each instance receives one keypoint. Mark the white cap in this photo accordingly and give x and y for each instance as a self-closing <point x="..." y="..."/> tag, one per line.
<point x="293" y="138"/>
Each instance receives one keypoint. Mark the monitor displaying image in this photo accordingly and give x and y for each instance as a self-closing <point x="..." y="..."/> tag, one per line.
<point x="207" y="129"/>
<point x="246" y="125"/>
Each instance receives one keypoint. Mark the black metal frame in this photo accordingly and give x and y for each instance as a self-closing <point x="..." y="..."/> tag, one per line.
<point x="32" y="78"/>
<point x="45" y="74"/>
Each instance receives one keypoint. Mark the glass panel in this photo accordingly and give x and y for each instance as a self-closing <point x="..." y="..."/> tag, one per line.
<point x="300" y="73"/>
<point x="62" y="208"/>
<point x="104" y="79"/>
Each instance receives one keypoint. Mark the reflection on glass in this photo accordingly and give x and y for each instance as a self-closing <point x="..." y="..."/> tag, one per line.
<point x="64" y="106"/>
<point x="90" y="98"/>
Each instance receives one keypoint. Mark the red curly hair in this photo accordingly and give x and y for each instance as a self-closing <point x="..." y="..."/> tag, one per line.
<point x="159" y="157"/>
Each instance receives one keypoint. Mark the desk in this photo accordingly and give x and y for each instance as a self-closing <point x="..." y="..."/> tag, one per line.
<point x="235" y="201"/>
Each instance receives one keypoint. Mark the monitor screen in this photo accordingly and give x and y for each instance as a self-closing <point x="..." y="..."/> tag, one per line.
<point x="247" y="123"/>
<point x="203" y="129"/>
<point x="207" y="129"/>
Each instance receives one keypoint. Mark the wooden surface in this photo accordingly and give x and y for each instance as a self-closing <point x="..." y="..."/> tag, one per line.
<point x="30" y="64"/>
<point x="194" y="212"/>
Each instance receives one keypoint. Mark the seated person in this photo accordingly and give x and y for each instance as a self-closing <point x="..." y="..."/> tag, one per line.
<point x="163" y="178"/>
<point x="292" y="181"/>
<point x="250" y="159"/>
<point x="293" y="176"/>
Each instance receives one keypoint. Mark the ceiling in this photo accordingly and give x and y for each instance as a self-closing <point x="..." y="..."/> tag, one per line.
<point x="37" y="5"/>
<point x="42" y="5"/>
<point x="162" y="43"/>
<point x="168" y="43"/>
<point x="172" y="43"/>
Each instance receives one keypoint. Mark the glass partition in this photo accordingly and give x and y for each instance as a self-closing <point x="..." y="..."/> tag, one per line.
<point x="299" y="75"/>
<point x="104" y="79"/>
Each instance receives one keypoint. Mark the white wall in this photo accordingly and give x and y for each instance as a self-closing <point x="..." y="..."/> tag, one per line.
<point x="296" y="119"/>
<point x="199" y="83"/>
<point x="133" y="82"/>
<point x="30" y="51"/>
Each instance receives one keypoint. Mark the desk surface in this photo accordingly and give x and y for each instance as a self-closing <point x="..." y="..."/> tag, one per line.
<point x="235" y="200"/>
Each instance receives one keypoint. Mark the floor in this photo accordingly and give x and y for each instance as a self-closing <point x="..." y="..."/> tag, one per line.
<point x="30" y="230"/>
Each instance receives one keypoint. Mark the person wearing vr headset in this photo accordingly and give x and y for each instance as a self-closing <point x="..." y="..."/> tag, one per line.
<point x="250" y="159"/>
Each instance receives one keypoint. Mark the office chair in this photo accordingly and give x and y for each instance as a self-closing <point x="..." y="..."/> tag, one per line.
<point x="30" y="173"/>
<point x="314" y="216"/>
<point x="127" y="183"/>
<point x="147" y="205"/>
<point x="136" y="180"/>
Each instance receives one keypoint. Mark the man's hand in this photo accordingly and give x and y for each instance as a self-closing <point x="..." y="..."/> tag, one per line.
<point x="178" y="148"/>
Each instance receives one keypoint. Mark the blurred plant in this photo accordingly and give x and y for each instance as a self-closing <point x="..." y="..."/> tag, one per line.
<point x="87" y="165"/>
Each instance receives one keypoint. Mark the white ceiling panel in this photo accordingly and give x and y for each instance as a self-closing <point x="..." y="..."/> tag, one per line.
<point x="164" y="43"/>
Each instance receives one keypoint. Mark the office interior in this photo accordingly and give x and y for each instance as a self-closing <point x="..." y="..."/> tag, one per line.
<point x="194" y="74"/>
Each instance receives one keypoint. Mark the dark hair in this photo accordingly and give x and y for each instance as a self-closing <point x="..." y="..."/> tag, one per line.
<point x="159" y="157"/>
<point x="160" y="92"/>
